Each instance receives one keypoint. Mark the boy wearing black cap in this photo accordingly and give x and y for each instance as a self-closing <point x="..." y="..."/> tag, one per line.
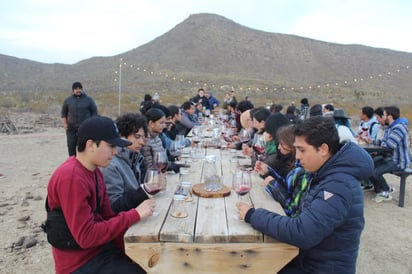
<point x="76" y="108"/>
<point x="78" y="189"/>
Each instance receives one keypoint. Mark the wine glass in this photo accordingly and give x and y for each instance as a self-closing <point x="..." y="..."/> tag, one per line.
<point x="175" y="149"/>
<point x="241" y="184"/>
<point x="160" y="161"/>
<point x="244" y="136"/>
<point x="154" y="181"/>
<point x="180" y="139"/>
<point x="259" y="146"/>
<point x="197" y="140"/>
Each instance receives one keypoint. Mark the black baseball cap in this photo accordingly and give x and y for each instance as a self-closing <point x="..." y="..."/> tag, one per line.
<point x="101" y="128"/>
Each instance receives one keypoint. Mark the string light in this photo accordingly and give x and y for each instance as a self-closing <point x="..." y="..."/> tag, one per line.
<point x="259" y="88"/>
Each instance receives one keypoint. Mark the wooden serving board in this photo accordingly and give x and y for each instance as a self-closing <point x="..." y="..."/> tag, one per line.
<point x="199" y="190"/>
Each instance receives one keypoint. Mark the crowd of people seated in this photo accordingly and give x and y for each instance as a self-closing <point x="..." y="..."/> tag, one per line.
<point x="305" y="156"/>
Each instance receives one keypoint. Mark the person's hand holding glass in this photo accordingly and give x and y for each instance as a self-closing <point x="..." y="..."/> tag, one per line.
<point x="154" y="182"/>
<point x="259" y="146"/>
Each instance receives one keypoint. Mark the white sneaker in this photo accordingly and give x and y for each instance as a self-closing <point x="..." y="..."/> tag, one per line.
<point x="382" y="196"/>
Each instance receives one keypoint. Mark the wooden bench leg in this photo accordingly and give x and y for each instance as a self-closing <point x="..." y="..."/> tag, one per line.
<point x="402" y="190"/>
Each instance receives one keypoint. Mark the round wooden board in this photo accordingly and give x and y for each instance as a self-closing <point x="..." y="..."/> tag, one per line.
<point x="199" y="190"/>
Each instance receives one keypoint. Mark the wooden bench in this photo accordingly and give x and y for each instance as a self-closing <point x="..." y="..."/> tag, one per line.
<point x="403" y="175"/>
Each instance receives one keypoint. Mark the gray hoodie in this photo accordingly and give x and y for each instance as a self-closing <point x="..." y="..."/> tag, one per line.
<point x="123" y="178"/>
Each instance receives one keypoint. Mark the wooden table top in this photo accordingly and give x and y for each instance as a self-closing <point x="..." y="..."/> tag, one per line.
<point x="210" y="239"/>
<point x="209" y="220"/>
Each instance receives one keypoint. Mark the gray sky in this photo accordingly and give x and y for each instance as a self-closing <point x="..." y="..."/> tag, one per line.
<point x="68" y="31"/>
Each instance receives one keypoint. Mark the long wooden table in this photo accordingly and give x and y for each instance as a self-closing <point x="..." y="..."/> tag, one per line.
<point x="210" y="239"/>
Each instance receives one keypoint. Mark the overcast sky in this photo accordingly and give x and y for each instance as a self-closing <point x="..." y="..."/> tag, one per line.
<point x="60" y="31"/>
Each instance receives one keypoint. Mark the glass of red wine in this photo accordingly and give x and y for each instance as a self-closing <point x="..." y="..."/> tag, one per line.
<point x="241" y="184"/>
<point x="154" y="182"/>
<point x="244" y="136"/>
<point x="160" y="161"/>
<point x="259" y="146"/>
<point x="365" y="130"/>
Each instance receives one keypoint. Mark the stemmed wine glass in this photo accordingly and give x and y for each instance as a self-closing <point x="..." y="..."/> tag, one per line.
<point x="244" y="136"/>
<point x="259" y="146"/>
<point x="153" y="182"/>
<point x="160" y="161"/>
<point x="175" y="149"/>
<point x="241" y="184"/>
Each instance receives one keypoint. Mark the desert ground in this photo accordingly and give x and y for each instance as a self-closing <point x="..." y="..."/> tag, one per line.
<point x="29" y="156"/>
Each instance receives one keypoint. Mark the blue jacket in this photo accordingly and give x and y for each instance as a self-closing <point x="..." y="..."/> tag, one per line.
<point x="327" y="230"/>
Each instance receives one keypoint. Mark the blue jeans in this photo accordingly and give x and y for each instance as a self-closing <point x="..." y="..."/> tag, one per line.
<point x="110" y="260"/>
<point x="377" y="179"/>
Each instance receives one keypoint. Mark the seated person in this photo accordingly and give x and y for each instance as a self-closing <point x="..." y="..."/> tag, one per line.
<point x="188" y="119"/>
<point x="287" y="181"/>
<point x="327" y="229"/>
<point x="124" y="176"/>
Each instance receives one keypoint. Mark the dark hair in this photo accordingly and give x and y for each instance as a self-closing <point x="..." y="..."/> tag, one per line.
<point x="244" y="105"/>
<point x="274" y="108"/>
<point x="379" y="111"/>
<point x="318" y="130"/>
<point x="163" y="108"/>
<point x="154" y="114"/>
<point x="304" y="101"/>
<point x="274" y="122"/>
<point x="368" y="111"/>
<point x="187" y="105"/>
<point x="316" y="110"/>
<point x="77" y="85"/>
<point x="130" y="123"/>
<point x="81" y="143"/>
<point x="148" y="97"/>
<point x="291" y="109"/>
<point x="261" y="114"/>
<point x="173" y="110"/>
<point x="393" y="111"/>
<point x="233" y="104"/>
<point x="329" y="107"/>
<point x="287" y="135"/>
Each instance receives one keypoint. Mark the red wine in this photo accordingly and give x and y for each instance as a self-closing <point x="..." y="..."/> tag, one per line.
<point x="243" y="190"/>
<point x="161" y="166"/>
<point x="259" y="150"/>
<point x="364" y="128"/>
<point x="153" y="192"/>
<point x="152" y="189"/>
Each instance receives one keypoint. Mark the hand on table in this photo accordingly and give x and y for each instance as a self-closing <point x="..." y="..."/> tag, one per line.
<point x="243" y="208"/>
<point x="146" y="208"/>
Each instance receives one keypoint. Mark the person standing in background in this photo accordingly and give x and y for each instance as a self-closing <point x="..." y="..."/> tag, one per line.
<point x="304" y="109"/>
<point x="76" y="108"/>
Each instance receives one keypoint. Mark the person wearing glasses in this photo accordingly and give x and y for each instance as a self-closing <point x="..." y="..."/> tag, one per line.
<point x="124" y="176"/>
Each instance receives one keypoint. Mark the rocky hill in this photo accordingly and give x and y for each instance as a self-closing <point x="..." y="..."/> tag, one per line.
<point x="219" y="54"/>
